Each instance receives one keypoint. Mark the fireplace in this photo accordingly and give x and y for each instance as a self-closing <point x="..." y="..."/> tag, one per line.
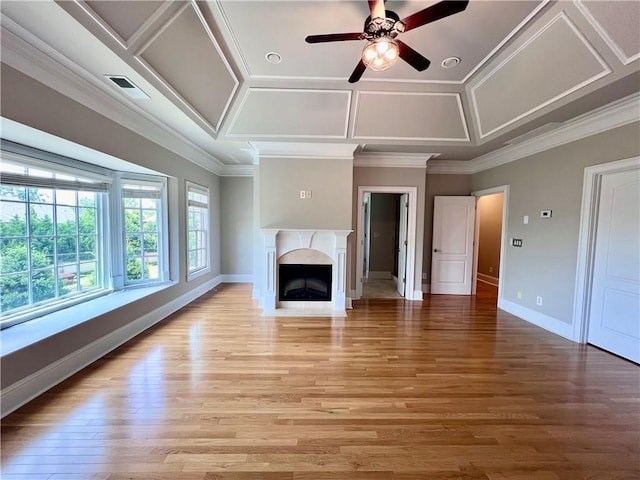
<point x="304" y="282"/>
<point x="322" y="253"/>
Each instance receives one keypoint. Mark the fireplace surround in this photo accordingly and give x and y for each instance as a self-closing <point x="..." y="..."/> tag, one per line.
<point x="287" y="246"/>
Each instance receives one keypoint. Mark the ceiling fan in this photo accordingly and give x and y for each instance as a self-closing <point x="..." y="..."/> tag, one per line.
<point x="381" y="29"/>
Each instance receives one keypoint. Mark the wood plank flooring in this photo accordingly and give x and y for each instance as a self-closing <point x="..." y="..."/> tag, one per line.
<point x="449" y="388"/>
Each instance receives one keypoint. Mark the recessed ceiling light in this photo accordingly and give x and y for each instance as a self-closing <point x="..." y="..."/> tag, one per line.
<point x="450" y="62"/>
<point x="273" y="57"/>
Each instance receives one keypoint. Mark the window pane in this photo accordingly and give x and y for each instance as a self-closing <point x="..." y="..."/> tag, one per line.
<point x="132" y="220"/>
<point x="87" y="221"/>
<point x="44" y="285"/>
<point x="41" y="219"/>
<point x="192" y="240"/>
<point x="42" y="249"/>
<point x="87" y="247"/>
<point x="131" y="202"/>
<point x="150" y="243"/>
<point x="134" y="269"/>
<point x="88" y="275"/>
<point x="68" y="276"/>
<point x="14" y="219"/>
<point x="151" y="266"/>
<point x="67" y="248"/>
<point x="10" y="192"/>
<point x="66" y="220"/>
<point x="14" y="291"/>
<point x="41" y="195"/>
<point x="13" y="257"/>
<point x="149" y="203"/>
<point x="134" y="245"/>
<point x="65" y="197"/>
<point x="149" y="220"/>
<point x="87" y="199"/>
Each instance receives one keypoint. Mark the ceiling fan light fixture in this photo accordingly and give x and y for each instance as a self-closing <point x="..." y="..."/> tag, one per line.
<point x="380" y="54"/>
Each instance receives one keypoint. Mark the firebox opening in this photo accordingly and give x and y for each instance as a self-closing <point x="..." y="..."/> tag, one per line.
<point x="304" y="282"/>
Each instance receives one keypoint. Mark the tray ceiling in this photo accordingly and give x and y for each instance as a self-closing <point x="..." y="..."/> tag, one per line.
<point x="523" y="65"/>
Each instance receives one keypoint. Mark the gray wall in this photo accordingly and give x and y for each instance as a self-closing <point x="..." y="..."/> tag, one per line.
<point x="546" y="264"/>
<point x="330" y="181"/>
<point x="384" y="232"/>
<point x="489" y="234"/>
<point x="29" y="102"/>
<point x="439" y="185"/>
<point x="236" y="207"/>
<point x="391" y="177"/>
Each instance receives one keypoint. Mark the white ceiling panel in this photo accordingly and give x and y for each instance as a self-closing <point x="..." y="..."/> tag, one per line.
<point x="123" y="17"/>
<point x="416" y="116"/>
<point x="186" y="57"/>
<point x="279" y="113"/>
<point x="535" y="75"/>
<point x="619" y="26"/>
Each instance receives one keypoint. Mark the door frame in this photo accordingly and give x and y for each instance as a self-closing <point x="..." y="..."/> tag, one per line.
<point x="504" y="189"/>
<point x="586" y="240"/>
<point x="411" y="235"/>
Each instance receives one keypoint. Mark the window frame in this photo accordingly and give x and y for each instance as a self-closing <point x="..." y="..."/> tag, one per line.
<point x="193" y="273"/>
<point x="110" y="243"/>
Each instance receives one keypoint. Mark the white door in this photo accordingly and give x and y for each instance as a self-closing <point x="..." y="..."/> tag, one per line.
<point x="452" y="254"/>
<point x="614" y="314"/>
<point x="402" y="243"/>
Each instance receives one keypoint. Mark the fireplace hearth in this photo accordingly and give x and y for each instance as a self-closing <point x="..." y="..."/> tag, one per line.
<point x="304" y="282"/>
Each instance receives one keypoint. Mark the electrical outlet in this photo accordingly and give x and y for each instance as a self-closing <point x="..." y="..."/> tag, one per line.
<point x="538" y="300"/>
<point x="519" y="295"/>
<point x="424" y="276"/>
<point x="308" y="194"/>
<point x="490" y="269"/>
<point x="303" y="194"/>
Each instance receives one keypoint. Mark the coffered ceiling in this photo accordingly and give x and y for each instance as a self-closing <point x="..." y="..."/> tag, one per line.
<point x="215" y="97"/>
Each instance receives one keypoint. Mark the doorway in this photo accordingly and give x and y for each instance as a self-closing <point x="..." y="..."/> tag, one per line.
<point x="400" y="247"/>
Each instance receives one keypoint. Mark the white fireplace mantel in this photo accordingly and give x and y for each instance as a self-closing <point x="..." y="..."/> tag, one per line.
<point x="280" y="241"/>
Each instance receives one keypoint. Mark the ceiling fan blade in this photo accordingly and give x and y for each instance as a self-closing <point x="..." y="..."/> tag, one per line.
<point x="333" y="37"/>
<point x="376" y="7"/>
<point x="412" y="57"/>
<point x="357" y="73"/>
<point x="434" y="12"/>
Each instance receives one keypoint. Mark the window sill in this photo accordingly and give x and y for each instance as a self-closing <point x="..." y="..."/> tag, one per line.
<point x="27" y="333"/>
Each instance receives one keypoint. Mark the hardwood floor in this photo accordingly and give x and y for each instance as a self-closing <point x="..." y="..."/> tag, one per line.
<point x="450" y="388"/>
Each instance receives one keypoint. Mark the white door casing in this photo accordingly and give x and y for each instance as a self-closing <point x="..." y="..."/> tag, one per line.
<point x="411" y="293"/>
<point x="453" y="236"/>
<point x="614" y="313"/>
<point x="402" y="243"/>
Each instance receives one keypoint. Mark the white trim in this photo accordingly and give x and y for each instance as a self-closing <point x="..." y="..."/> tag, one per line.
<point x="392" y="159"/>
<point x="334" y="151"/>
<point x="239" y="171"/>
<point x="455" y="167"/>
<point x="236" y="278"/>
<point x="586" y="240"/>
<point x="417" y="296"/>
<point x="504" y="189"/>
<point x="622" y="56"/>
<point x="426" y="288"/>
<point x="411" y="237"/>
<point x="541" y="320"/>
<point x="25" y="390"/>
<point x="606" y="70"/>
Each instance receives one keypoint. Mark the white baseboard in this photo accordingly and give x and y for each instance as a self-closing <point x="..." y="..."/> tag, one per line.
<point x="348" y="304"/>
<point x="381" y="275"/>
<point x="236" y="278"/>
<point x="488" y="279"/>
<point x="541" y="320"/>
<point x="426" y="288"/>
<point x="417" y="295"/>
<point x="25" y="390"/>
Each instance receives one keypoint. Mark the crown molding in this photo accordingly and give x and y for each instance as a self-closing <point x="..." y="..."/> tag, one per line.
<point x="455" y="167"/>
<point x="28" y="54"/>
<point x="616" y="114"/>
<point x="239" y="171"/>
<point x="298" y="150"/>
<point x="392" y="159"/>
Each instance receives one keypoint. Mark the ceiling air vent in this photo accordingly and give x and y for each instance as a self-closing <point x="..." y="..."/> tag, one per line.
<point x="127" y="86"/>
